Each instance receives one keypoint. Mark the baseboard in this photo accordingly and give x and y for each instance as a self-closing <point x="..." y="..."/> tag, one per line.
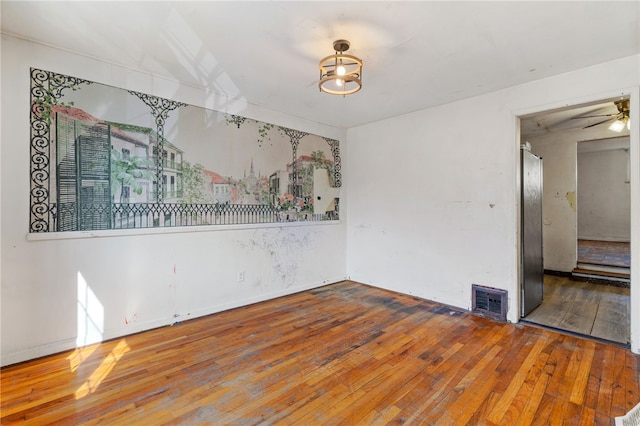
<point x="37" y="352"/>
<point x="250" y="301"/>
<point x="557" y="273"/>
<point x="119" y="333"/>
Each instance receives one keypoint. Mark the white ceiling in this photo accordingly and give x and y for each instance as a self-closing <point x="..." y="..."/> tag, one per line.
<point x="416" y="54"/>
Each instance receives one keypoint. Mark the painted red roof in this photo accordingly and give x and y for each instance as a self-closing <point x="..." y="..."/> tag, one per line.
<point x="82" y="115"/>
<point x="215" y="177"/>
<point x="76" y="113"/>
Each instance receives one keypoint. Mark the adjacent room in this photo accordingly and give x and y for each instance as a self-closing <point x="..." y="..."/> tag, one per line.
<point x="320" y="212"/>
<point x="586" y="218"/>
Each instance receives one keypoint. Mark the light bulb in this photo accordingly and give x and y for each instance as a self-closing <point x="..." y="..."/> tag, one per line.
<point x="617" y="126"/>
<point x="341" y="70"/>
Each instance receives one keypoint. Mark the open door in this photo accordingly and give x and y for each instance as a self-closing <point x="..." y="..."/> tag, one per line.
<point x="532" y="264"/>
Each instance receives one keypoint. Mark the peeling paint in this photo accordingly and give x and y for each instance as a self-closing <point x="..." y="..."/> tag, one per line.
<point x="571" y="198"/>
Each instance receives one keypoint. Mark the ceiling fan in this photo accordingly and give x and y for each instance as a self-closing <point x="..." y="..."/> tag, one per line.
<point x="621" y="117"/>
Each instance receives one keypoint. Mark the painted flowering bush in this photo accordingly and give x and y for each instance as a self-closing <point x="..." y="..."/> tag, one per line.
<point x="306" y="205"/>
<point x="287" y="202"/>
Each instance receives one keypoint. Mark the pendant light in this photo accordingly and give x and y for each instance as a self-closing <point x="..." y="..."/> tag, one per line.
<point x="340" y="74"/>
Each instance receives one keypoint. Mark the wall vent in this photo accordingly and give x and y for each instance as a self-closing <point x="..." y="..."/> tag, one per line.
<point x="489" y="302"/>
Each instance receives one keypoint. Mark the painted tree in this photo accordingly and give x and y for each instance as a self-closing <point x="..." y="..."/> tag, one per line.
<point x="129" y="171"/>
<point x="194" y="184"/>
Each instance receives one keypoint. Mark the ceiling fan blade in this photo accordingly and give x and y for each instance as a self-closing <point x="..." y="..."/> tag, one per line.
<point x="593" y="116"/>
<point x="600" y="122"/>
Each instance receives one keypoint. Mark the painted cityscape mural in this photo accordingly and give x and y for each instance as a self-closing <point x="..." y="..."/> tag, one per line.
<point x="108" y="158"/>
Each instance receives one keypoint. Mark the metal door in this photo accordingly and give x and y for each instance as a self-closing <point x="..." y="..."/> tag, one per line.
<point x="532" y="264"/>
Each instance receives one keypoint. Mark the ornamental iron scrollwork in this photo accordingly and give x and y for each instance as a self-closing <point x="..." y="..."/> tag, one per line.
<point x="46" y="90"/>
<point x="49" y="211"/>
<point x="235" y="119"/>
<point x="160" y="108"/>
<point x="294" y="136"/>
<point x="337" y="165"/>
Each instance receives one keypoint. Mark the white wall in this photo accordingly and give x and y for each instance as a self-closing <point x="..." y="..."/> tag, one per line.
<point x="559" y="199"/>
<point x="433" y="198"/>
<point x="435" y="193"/>
<point x="604" y="195"/>
<point x="52" y="286"/>
<point x="561" y="195"/>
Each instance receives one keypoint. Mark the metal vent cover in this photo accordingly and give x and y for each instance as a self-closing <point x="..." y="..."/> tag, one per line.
<point x="489" y="302"/>
<point x="632" y="418"/>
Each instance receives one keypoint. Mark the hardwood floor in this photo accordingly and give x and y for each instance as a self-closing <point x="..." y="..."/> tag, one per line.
<point x="603" y="262"/>
<point x="608" y="253"/>
<point x="595" y="310"/>
<point x="341" y="354"/>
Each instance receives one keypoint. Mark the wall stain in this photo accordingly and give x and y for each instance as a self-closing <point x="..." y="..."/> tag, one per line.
<point x="571" y="198"/>
<point x="286" y="248"/>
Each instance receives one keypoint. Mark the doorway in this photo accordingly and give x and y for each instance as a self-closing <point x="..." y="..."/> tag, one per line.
<point x="578" y="301"/>
<point x="604" y="220"/>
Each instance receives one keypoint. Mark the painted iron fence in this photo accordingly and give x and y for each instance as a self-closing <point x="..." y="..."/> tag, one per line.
<point x="96" y="216"/>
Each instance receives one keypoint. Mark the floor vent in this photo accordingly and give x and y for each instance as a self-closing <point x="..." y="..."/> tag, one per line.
<point x="632" y="418"/>
<point x="489" y="302"/>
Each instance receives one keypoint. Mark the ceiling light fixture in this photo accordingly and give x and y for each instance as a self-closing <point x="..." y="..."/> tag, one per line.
<point x="623" y="116"/>
<point x="619" y="125"/>
<point x="340" y="74"/>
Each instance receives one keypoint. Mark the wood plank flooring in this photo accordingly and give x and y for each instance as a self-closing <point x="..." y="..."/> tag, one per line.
<point x="608" y="253"/>
<point x="595" y="310"/>
<point x="342" y="354"/>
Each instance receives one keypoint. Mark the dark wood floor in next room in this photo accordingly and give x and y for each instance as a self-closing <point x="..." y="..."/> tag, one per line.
<point x="342" y="354"/>
<point x="606" y="253"/>
<point x="596" y="310"/>
<point x="595" y="300"/>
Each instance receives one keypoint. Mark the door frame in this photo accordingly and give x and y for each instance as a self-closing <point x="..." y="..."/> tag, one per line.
<point x="634" y="153"/>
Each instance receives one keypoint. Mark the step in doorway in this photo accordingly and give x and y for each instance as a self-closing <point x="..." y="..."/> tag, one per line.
<point x="604" y="262"/>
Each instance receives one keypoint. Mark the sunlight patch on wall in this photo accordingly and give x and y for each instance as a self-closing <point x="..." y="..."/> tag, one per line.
<point x="90" y="315"/>
<point x="106" y="366"/>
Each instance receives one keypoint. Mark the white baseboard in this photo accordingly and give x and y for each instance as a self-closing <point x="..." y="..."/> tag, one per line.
<point x="37" y="352"/>
<point x="70" y="344"/>
<point x="261" y="298"/>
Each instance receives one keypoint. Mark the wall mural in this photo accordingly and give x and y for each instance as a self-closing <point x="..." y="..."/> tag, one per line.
<point x="108" y="158"/>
